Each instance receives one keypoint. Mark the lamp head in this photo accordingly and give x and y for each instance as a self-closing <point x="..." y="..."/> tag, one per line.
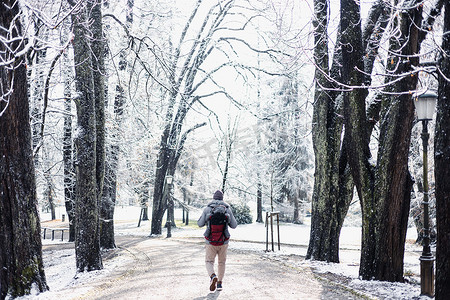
<point x="425" y="104"/>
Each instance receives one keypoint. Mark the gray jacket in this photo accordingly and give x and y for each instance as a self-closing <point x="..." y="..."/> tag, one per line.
<point x="203" y="220"/>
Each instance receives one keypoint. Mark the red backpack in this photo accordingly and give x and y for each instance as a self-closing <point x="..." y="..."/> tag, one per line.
<point x="217" y="222"/>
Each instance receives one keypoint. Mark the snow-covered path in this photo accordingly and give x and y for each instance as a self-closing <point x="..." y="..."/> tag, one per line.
<point x="161" y="268"/>
<point x="173" y="268"/>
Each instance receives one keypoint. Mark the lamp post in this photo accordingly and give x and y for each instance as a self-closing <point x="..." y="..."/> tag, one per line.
<point x="425" y="104"/>
<point x="167" y="189"/>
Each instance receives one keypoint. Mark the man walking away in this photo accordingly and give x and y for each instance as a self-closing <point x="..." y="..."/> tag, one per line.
<point x="217" y="215"/>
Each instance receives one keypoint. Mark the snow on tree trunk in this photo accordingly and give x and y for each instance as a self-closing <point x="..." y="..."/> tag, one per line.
<point x="98" y="46"/>
<point x="69" y="172"/>
<point x="21" y="266"/>
<point x="384" y="191"/>
<point x="49" y="187"/>
<point x="107" y="240"/>
<point x="259" y="217"/>
<point x="106" y="187"/>
<point x="38" y="94"/>
<point x="393" y="183"/>
<point x="442" y="168"/>
<point x="87" y="236"/>
<point x="331" y="199"/>
<point x="160" y="175"/>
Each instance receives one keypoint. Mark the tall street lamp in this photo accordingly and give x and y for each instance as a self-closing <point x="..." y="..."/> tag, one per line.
<point x="425" y="104"/>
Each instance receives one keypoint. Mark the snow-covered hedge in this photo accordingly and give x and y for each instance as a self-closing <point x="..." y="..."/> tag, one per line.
<point x="242" y="213"/>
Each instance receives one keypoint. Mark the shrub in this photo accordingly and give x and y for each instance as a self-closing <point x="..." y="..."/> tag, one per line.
<point x="242" y="213"/>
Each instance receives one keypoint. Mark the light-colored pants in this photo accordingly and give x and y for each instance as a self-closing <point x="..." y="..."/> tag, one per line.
<point x="211" y="252"/>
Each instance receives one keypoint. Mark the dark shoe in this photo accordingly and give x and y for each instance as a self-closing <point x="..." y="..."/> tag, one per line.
<point x="212" y="284"/>
<point x="219" y="285"/>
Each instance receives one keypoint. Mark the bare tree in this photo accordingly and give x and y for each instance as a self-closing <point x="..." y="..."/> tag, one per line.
<point x="87" y="235"/>
<point x="333" y="189"/>
<point x="107" y="240"/>
<point x="384" y="187"/>
<point x="442" y="165"/>
<point x="226" y="145"/>
<point x="182" y="96"/>
<point x="68" y="150"/>
<point x="21" y="267"/>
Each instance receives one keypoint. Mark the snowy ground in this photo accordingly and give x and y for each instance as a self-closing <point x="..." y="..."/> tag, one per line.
<point x="59" y="257"/>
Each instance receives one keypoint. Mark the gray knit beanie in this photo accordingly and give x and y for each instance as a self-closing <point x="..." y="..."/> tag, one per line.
<point x="218" y="195"/>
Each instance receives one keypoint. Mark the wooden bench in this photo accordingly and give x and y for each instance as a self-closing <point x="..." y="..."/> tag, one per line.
<point x="53" y="232"/>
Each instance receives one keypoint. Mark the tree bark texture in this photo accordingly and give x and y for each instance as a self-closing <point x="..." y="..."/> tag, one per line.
<point x="37" y="100"/>
<point x="330" y="200"/>
<point x="259" y="218"/>
<point x="356" y="135"/>
<point x="98" y="45"/>
<point x="87" y="237"/>
<point x="99" y="51"/>
<point x="69" y="172"/>
<point x="159" y="204"/>
<point x="172" y="143"/>
<point x="108" y="202"/>
<point x="144" y="193"/>
<point x="393" y="183"/>
<point x="21" y="265"/>
<point x="259" y="185"/>
<point x="319" y="235"/>
<point x="49" y="190"/>
<point x="385" y="190"/>
<point x="442" y="168"/>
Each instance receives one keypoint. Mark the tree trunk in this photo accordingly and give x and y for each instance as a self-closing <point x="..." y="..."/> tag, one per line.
<point x="319" y="131"/>
<point x="158" y="202"/>
<point x="296" y="217"/>
<point x="184" y="191"/>
<point x="107" y="240"/>
<point x="191" y="184"/>
<point x="38" y="94"/>
<point x="171" y="147"/>
<point x="328" y="209"/>
<point x="442" y="168"/>
<point x="225" y="171"/>
<point x="385" y="191"/>
<point x="259" y="186"/>
<point x="259" y="199"/>
<point x="48" y="193"/>
<point x="416" y="209"/>
<point x="356" y="133"/>
<point x="393" y="183"/>
<point x="108" y="200"/>
<point x="69" y="172"/>
<point x="187" y="194"/>
<point x="87" y="237"/>
<point x="259" y="218"/>
<point x="144" y="198"/>
<point x="99" y="51"/>
<point x="21" y="266"/>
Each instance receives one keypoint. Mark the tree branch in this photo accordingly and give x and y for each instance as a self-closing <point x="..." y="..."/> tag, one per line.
<point x="183" y="140"/>
<point x="427" y="25"/>
<point x="44" y="110"/>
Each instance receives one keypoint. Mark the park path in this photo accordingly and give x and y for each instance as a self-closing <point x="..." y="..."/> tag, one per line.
<point x="161" y="268"/>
